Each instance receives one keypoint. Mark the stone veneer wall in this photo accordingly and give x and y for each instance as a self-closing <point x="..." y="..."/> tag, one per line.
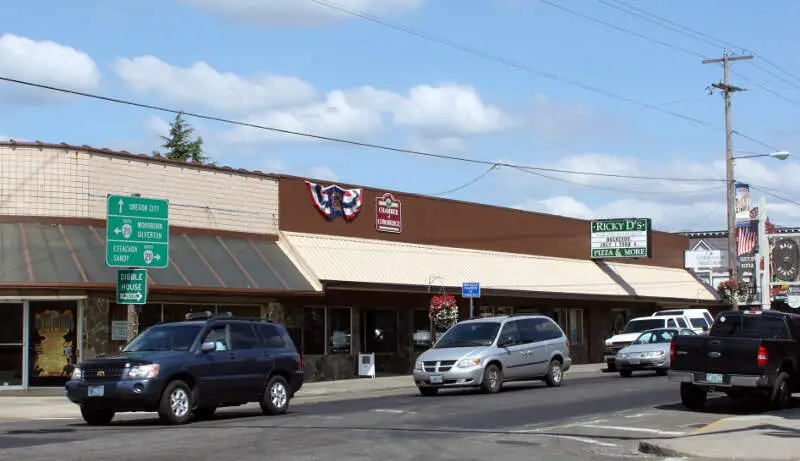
<point x="97" y="337"/>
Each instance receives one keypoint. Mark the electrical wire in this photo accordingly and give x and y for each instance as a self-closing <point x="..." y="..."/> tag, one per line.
<point x="468" y="183"/>
<point x="772" y="194"/>
<point x="341" y="140"/>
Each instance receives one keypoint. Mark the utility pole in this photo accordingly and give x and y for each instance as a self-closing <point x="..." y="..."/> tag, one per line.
<point x="727" y="89"/>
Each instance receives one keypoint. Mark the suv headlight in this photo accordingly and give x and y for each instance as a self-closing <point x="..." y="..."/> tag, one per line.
<point x="142" y="372"/>
<point x="608" y="343"/>
<point x="418" y="365"/>
<point x="466" y="363"/>
<point x="77" y="374"/>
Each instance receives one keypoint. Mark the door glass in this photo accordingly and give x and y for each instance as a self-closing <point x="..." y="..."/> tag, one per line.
<point x="272" y="338"/>
<point x="11" y="345"/>
<point x="243" y="337"/>
<point x="219" y="337"/>
<point x="510" y="332"/>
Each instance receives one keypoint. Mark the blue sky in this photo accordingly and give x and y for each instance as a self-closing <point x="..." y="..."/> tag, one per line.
<point x="303" y="66"/>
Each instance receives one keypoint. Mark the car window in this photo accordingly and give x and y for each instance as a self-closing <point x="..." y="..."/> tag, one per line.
<point x="511" y="331"/>
<point x="750" y="326"/>
<point x="655" y="337"/>
<point x="272" y="337"/>
<point x="708" y="318"/>
<point x="687" y="332"/>
<point x="165" y="338"/>
<point x="548" y="329"/>
<point x="671" y="323"/>
<point x="469" y="334"/>
<point x="681" y="322"/>
<point x="528" y="333"/>
<point x="640" y="325"/>
<point x="243" y="337"/>
<point x="697" y="322"/>
<point x="219" y="336"/>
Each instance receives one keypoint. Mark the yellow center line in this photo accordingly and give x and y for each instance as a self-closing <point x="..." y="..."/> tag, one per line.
<point x="709" y="426"/>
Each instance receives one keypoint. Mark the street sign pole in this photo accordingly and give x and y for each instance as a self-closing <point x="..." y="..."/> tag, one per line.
<point x="471" y="312"/>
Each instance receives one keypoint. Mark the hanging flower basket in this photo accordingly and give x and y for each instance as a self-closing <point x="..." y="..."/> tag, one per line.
<point x="732" y="291"/>
<point x="443" y="311"/>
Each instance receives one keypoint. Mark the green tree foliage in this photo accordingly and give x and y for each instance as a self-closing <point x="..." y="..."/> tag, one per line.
<point x="179" y="145"/>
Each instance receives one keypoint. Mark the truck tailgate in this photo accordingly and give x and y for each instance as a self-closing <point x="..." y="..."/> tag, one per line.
<point x="716" y="354"/>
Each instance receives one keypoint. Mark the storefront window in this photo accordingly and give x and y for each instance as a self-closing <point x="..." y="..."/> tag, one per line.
<point x="421" y="333"/>
<point x="313" y="331"/>
<point x="11" y="345"/>
<point x="53" y="339"/>
<point x="576" y="326"/>
<point x="339" y="331"/>
<point x="380" y="331"/>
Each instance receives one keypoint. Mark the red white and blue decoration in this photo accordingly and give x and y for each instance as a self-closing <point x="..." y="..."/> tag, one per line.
<point x="334" y="202"/>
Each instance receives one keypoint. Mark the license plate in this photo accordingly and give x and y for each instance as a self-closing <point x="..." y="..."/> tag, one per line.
<point x="96" y="391"/>
<point x="634" y="361"/>
<point x="714" y="378"/>
<point x="436" y="379"/>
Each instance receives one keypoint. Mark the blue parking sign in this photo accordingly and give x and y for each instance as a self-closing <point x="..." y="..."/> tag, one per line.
<point x="471" y="290"/>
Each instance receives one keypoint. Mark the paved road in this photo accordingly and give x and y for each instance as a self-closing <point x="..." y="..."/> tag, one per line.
<point x="593" y="418"/>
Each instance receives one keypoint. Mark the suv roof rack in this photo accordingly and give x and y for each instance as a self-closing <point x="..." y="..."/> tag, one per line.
<point x="208" y="315"/>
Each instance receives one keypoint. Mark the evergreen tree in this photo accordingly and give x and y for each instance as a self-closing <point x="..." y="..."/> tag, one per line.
<point x="179" y="144"/>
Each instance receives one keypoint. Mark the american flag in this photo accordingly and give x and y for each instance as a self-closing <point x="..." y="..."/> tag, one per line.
<point x="746" y="238"/>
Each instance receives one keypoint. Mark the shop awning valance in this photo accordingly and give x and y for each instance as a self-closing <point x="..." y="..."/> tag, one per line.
<point x="380" y="262"/>
<point x="34" y="253"/>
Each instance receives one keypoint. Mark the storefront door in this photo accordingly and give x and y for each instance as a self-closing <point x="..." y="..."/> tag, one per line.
<point x="12" y="345"/>
<point x="53" y="338"/>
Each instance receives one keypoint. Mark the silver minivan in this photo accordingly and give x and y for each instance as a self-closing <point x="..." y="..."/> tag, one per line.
<point x="489" y="351"/>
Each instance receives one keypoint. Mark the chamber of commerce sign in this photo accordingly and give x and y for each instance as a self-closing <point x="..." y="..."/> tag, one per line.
<point x="621" y="238"/>
<point x="388" y="214"/>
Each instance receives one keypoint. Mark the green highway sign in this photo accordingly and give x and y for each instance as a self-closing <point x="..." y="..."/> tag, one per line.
<point x="137" y="232"/>
<point x="132" y="286"/>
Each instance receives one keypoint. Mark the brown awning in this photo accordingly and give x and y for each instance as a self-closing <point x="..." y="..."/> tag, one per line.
<point x="46" y="254"/>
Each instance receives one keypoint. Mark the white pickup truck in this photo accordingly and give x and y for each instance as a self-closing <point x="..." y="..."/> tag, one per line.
<point x="633" y="329"/>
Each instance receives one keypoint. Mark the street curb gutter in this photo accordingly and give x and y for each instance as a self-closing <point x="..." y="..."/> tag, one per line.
<point x="654" y="449"/>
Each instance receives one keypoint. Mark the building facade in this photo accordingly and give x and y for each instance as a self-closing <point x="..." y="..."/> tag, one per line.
<point x="347" y="269"/>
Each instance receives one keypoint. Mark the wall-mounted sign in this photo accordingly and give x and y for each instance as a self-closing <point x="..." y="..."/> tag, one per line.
<point x="786" y="259"/>
<point x="334" y="202"/>
<point x="705" y="259"/>
<point x="742" y="205"/>
<point x="388" y="214"/>
<point x="621" y="238"/>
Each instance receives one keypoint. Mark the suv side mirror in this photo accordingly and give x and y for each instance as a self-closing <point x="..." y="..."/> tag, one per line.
<point x="208" y="346"/>
<point x="505" y="341"/>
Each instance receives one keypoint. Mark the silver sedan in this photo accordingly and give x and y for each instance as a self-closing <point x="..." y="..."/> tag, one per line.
<point x="650" y="351"/>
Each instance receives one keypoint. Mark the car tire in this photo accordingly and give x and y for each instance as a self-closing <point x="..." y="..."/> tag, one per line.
<point x="611" y="366"/>
<point x="662" y="371"/>
<point x="275" y="400"/>
<point x="97" y="417"/>
<point x="555" y="374"/>
<point x="428" y="391"/>
<point x="693" y="397"/>
<point x="176" y="403"/>
<point x="492" y="379"/>
<point x="781" y="392"/>
<point x="626" y="373"/>
<point x="204" y="413"/>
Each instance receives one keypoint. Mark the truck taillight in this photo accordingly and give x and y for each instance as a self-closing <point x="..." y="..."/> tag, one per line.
<point x="299" y="362"/>
<point x="763" y="357"/>
<point x="671" y="352"/>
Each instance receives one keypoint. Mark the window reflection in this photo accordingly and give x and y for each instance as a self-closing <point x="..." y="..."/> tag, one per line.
<point x="380" y="330"/>
<point x="314" y="331"/>
<point x="421" y="332"/>
<point x="339" y="331"/>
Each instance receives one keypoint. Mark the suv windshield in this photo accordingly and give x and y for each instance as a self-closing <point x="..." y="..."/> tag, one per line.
<point x="638" y="326"/>
<point x="469" y="335"/>
<point x="165" y="338"/>
<point x="656" y="337"/>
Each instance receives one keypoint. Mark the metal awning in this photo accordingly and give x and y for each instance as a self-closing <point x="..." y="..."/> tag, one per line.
<point x="46" y="254"/>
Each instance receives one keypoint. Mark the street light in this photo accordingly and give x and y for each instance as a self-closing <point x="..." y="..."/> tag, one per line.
<point x="731" y="205"/>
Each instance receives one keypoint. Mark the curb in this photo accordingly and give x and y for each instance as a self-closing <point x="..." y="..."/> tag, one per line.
<point x="655" y="449"/>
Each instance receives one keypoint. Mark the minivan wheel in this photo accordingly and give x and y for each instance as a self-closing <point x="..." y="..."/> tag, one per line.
<point x="555" y="374"/>
<point x="492" y="379"/>
<point x="176" y="403"/>
<point x="96" y="417"/>
<point x="275" y="400"/>
<point x="428" y="391"/>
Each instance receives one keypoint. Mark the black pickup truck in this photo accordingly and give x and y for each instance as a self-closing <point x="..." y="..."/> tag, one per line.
<point x="746" y="353"/>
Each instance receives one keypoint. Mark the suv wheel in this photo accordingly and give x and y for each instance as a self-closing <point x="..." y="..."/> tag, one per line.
<point x="176" y="403"/>
<point x="555" y="374"/>
<point x="96" y="417"/>
<point x="275" y="400"/>
<point x="492" y="379"/>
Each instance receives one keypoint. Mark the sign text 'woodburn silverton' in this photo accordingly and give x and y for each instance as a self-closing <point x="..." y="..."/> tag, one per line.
<point x="621" y="238"/>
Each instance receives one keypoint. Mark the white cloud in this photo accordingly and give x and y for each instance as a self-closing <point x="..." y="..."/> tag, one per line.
<point x="299" y="13"/>
<point x="201" y="84"/>
<point x="323" y="172"/>
<point x="672" y="204"/>
<point x="48" y="63"/>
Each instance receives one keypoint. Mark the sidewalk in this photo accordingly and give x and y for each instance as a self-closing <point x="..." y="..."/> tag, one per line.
<point x="52" y="404"/>
<point x="774" y="436"/>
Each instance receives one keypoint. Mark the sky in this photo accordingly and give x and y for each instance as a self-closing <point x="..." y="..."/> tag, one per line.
<point x="595" y="89"/>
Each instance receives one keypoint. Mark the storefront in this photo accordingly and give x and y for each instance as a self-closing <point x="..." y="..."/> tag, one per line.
<point x="380" y="256"/>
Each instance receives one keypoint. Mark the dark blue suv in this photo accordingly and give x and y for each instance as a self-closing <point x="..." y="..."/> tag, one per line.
<point x="191" y="368"/>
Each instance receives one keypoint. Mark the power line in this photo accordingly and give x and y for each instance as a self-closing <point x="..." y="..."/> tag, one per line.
<point x="468" y="183"/>
<point x="779" y="197"/>
<point x="517" y="65"/>
<point x="341" y="140"/>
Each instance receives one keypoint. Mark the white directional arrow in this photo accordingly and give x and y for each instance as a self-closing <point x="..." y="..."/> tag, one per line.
<point x="117" y="230"/>
<point x="157" y="257"/>
<point x="132" y="296"/>
<point x="120" y="206"/>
